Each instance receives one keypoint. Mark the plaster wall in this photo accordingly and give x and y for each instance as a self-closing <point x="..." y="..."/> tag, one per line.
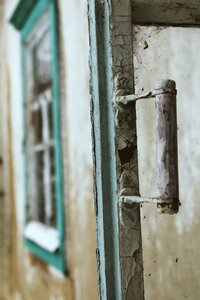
<point x="170" y="242"/>
<point x="29" y="277"/>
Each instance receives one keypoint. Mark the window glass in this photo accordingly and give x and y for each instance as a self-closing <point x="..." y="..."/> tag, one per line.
<point x="39" y="116"/>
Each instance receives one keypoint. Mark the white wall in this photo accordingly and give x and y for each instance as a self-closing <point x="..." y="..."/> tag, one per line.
<point x="170" y="243"/>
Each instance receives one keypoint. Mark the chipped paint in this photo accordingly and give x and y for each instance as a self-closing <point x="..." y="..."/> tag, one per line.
<point x="166" y="143"/>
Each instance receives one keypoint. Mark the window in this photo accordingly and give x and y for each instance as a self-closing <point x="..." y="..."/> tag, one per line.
<point x="44" y="228"/>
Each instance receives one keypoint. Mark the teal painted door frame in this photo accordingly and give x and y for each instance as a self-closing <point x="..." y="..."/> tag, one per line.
<point x="104" y="152"/>
<point x="119" y="244"/>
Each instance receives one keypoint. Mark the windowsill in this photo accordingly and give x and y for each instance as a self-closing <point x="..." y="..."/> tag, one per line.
<point x="44" y="242"/>
<point x="56" y="259"/>
<point x="42" y="235"/>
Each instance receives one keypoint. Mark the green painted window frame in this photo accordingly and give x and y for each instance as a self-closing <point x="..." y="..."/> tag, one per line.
<point x="24" y="18"/>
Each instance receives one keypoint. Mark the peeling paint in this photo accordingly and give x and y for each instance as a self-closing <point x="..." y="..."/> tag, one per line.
<point x="126" y="153"/>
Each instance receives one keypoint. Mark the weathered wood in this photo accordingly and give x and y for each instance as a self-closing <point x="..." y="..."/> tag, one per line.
<point x="166" y="144"/>
<point x="126" y="151"/>
<point x="182" y="12"/>
<point x="111" y="64"/>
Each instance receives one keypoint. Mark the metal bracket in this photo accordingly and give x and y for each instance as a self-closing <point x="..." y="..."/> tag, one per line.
<point x="166" y="140"/>
<point x="134" y="97"/>
<point x="146" y="95"/>
<point x="139" y="200"/>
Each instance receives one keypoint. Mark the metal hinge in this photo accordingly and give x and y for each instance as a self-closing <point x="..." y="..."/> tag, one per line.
<point x="166" y="145"/>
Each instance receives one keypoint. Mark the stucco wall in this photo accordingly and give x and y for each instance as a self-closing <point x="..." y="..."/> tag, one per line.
<point x="30" y="278"/>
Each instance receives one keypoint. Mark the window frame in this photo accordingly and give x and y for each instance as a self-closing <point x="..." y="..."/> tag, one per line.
<point x="24" y="18"/>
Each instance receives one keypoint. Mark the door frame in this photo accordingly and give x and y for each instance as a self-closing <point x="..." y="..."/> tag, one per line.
<point x="104" y="152"/>
<point x="111" y="51"/>
<point x="119" y="242"/>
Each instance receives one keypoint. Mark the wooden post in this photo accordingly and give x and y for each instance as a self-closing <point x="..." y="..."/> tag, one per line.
<point x="166" y="144"/>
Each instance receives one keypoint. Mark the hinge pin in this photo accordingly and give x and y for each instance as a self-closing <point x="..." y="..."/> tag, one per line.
<point x="166" y="146"/>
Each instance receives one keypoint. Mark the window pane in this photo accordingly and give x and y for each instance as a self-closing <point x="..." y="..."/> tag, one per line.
<point x="50" y="119"/>
<point x="36" y="192"/>
<point x="53" y="188"/>
<point x="42" y="63"/>
<point x="36" y="126"/>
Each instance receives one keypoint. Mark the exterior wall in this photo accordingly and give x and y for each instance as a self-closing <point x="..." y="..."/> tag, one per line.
<point x="28" y="277"/>
<point x="170" y="242"/>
